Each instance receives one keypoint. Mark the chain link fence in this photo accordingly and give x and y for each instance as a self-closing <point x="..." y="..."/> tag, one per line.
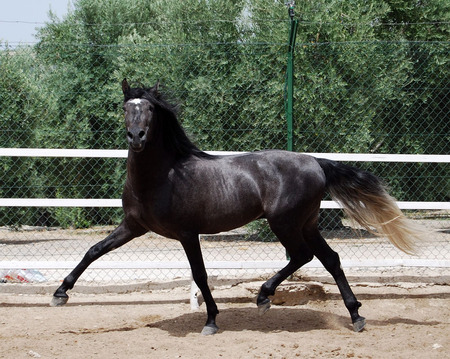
<point x="352" y="97"/>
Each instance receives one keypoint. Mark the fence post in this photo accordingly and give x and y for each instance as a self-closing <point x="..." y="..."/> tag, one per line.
<point x="290" y="81"/>
<point x="290" y="76"/>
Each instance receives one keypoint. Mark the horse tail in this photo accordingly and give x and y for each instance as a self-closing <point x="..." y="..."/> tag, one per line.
<point x="365" y="200"/>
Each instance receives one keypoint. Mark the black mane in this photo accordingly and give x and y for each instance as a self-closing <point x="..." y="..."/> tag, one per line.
<point x="174" y="136"/>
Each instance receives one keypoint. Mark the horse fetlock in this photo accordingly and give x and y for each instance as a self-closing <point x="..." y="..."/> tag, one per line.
<point x="353" y="307"/>
<point x="265" y="291"/>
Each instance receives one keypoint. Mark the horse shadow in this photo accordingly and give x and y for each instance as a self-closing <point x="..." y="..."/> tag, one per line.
<point x="245" y="319"/>
<point x="294" y="320"/>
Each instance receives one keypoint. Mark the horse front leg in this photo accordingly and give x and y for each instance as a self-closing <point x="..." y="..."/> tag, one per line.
<point x="191" y="245"/>
<point x="117" y="238"/>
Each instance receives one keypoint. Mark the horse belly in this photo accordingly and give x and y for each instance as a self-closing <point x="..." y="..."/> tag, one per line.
<point x="225" y="208"/>
<point x="223" y="218"/>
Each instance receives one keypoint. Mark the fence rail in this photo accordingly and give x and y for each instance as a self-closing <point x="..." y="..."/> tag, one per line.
<point x="117" y="203"/>
<point x="95" y="153"/>
<point x="97" y="202"/>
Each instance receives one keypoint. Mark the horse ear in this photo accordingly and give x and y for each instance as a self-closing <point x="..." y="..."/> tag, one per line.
<point x="156" y="87"/>
<point x="125" y="87"/>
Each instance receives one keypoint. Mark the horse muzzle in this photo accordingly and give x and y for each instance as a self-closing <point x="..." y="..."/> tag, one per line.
<point x="136" y="139"/>
<point x="137" y="147"/>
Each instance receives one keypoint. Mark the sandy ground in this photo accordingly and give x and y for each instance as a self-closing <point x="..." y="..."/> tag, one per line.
<point x="307" y="320"/>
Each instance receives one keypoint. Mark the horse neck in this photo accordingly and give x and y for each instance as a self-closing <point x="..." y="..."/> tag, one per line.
<point x="150" y="166"/>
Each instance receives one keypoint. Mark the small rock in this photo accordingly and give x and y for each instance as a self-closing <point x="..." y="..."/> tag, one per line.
<point x="33" y="354"/>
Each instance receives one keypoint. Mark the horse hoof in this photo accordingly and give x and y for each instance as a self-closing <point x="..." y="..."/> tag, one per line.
<point x="58" y="301"/>
<point x="359" y="324"/>
<point x="210" y="329"/>
<point x="264" y="306"/>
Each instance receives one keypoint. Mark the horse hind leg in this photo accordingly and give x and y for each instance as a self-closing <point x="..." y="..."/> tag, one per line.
<point x="299" y="253"/>
<point x="331" y="262"/>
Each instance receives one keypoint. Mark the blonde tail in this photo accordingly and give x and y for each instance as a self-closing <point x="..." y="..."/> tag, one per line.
<point x="365" y="200"/>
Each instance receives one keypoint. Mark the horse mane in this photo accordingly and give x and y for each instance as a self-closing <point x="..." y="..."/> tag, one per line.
<point x="174" y="137"/>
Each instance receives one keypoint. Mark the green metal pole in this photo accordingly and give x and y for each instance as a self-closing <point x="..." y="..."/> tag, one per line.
<point x="290" y="83"/>
<point x="290" y="78"/>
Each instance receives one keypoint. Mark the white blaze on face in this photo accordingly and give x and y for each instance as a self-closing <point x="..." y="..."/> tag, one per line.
<point x="137" y="102"/>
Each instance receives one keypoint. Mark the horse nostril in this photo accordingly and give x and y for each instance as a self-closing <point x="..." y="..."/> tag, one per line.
<point x="130" y="135"/>
<point x="141" y="134"/>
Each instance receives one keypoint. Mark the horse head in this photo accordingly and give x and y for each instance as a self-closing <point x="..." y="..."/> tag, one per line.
<point x="149" y="116"/>
<point x="139" y="112"/>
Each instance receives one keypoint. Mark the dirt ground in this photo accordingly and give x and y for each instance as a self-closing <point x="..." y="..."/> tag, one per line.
<point x="307" y="320"/>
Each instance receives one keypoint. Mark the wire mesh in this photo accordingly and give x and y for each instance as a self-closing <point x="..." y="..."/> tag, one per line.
<point x="357" y="96"/>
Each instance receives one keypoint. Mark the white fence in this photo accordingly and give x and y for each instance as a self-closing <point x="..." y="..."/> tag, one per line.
<point x="216" y="264"/>
<point x="95" y="153"/>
